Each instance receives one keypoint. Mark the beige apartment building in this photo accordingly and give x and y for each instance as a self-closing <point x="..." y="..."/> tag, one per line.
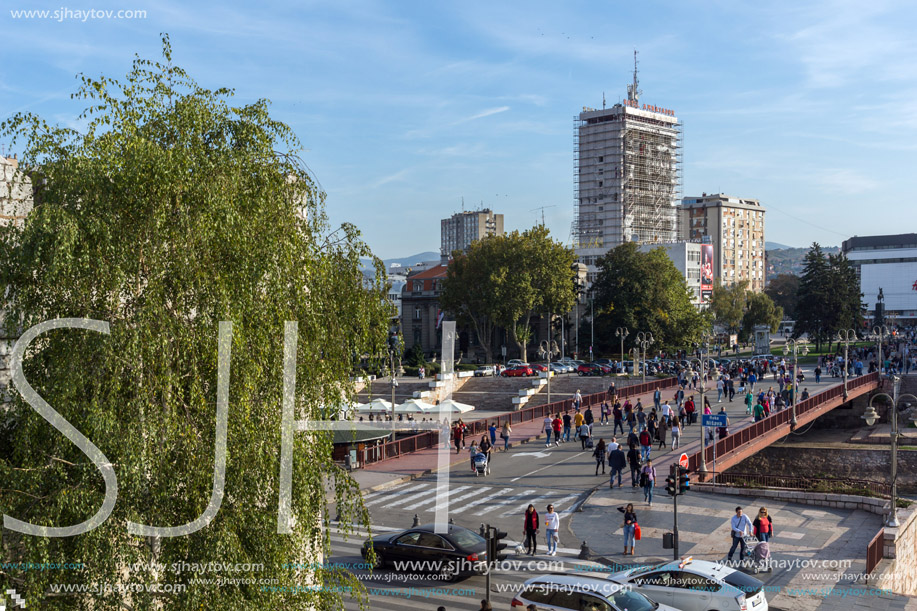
<point x="461" y="229"/>
<point x="735" y="227"/>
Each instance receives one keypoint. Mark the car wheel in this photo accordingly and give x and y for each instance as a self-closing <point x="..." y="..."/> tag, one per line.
<point x="450" y="571"/>
<point x="380" y="562"/>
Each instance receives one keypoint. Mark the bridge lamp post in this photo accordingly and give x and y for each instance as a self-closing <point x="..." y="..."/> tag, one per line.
<point x="871" y="417"/>
<point x="880" y="332"/>
<point x="622" y="333"/>
<point x="846" y="336"/>
<point x="699" y="408"/>
<point x="644" y="340"/>
<point x="796" y="346"/>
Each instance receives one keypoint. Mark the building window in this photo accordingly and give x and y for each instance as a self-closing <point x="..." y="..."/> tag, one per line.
<point x="417" y="336"/>
<point x="418" y="285"/>
<point x="418" y="312"/>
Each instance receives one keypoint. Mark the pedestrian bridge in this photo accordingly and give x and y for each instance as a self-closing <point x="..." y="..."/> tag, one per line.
<point x="751" y="439"/>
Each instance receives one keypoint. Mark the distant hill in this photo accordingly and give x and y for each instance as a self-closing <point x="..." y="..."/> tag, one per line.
<point x="406" y="261"/>
<point x="776" y="246"/>
<point x="786" y="260"/>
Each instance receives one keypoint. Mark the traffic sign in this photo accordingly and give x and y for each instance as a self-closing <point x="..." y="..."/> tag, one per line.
<point x="683" y="461"/>
<point x="714" y="420"/>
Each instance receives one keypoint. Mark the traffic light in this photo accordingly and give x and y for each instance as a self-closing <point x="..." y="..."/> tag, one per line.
<point x="495" y="545"/>
<point x="671" y="485"/>
<point x="684" y="482"/>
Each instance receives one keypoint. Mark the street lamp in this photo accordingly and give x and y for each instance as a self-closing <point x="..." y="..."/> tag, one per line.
<point x="880" y="332"/>
<point x="795" y="346"/>
<point x="702" y="361"/>
<point x="622" y="333"/>
<point x="871" y="417"/>
<point x="644" y="339"/>
<point x="846" y="336"/>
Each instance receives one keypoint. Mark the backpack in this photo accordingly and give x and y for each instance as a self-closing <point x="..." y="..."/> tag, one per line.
<point x="644" y="479"/>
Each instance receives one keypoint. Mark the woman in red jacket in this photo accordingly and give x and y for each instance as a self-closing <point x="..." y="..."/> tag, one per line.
<point x="558" y="425"/>
<point x="530" y="530"/>
<point x="764" y="526"/>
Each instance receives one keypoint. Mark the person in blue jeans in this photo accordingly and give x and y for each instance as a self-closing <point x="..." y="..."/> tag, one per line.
<point x="617" y="460"/>
<point x="648" y="477"/>
<point x="552" y="525"/>
<point x="630" y="526"/>
<point x="492" y="429"/>
<point x="740" y="526"/>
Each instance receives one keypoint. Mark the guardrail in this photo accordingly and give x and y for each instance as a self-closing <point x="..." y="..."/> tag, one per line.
<point x="777" y="419"/>
<point x="837" y="485"/>
<point x="422" y="441"/>
<point x="874" y="552"/>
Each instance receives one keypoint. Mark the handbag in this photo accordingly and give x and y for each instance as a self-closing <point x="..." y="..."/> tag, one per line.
<point x="636" y="531"/>
<point x="644" y="480"/>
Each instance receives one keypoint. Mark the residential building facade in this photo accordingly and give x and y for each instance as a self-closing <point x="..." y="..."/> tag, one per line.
<point x="461" y="229"/>
<point x="887" y="263"/>
<point x="686" y="256"/>
<point x="735" y="228"/>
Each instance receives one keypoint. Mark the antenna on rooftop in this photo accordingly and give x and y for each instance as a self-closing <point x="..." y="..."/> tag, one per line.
<point x="542" y="208"/>
<point x="603" y="100"/>
<point x="633" y="90"/>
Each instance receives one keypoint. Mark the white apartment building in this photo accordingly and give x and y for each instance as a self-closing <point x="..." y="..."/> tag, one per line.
<point x="463" y="228"/>
<point x="687" y="259"/>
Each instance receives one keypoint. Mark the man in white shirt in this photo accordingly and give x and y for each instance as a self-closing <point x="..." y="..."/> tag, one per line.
<point x="613" y="444"/>
<point x="740" y="526"/>
<point x="667" y="412"/>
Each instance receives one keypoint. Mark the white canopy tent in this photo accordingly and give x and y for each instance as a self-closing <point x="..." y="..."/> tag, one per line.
<point x="415" y="406"/>
<point x="376" y="406"/>
<point x="449" y="407"/>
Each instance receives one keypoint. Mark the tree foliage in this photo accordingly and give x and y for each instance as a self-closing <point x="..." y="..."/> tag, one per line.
<point x="175" y="210"/>
<point x="506" y="280"/>
<point x="829" y="297"/>
<point x="783" y="289"/>
<point x="728" y="304"/>
<point x="760" y="310"/>
<point x="643" y="292"/>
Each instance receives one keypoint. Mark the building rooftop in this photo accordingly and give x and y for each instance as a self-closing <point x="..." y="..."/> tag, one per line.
<point x="438" y="271"/>
<point x="900" y="240"/>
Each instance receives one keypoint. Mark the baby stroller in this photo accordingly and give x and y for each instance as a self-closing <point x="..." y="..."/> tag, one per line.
<point x="481" y="464"/>
<point x="757" y="553"/>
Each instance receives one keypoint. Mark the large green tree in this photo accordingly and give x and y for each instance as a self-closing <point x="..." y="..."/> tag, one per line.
<point x="643" y="292"/>
<point x="812" y="310"/>
<point x="728" y="304"/>
<point x="760" y="310"/>
<point x="507" y="280"/>
<point x="175" y="210"/>
<point x="783" y="290"/>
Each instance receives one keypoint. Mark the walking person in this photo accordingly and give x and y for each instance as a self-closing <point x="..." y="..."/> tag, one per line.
<point x="641" y="419"/>
<point x="660" y="433"/>
<point x="558" y="425"/>
<point x="548" y="425"/>
<point x="740" y="526"/>
<point x="719" y="390"/>
<point x="568" y="421"/>
<point x="657" y="398"/>
<point x="648" y="481"/>
<point x="618" y="418"/>
<point x="763" y="525"/>
<point x="504" y="435"/>
<point x="588" y="418"/>
<point x="604" y="419"/>
<point x="530" y="530"/>
<point x="492" y="429"/>
<point x="630" y="526"/>
<point x="749" y="402"/>
<point x="617" y="460"/>
<point x="457" y="436"/>
<point x="633" y="461"/>
<point x="584" y="434"/>
<point x="599" y="454"/>
<point x="552" y="525"/>
<point x="577" y="399"/>
<point x="577" y="423"/>
<point x="646" y="445"/>
<point x="676" y="433"/>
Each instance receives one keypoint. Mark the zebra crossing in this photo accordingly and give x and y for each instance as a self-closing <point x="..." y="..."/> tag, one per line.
<point x="388" y="591"/>
<point x="494" y="501"/>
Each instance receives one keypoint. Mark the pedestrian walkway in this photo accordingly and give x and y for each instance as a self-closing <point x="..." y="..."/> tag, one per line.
<point x="815" y="548"/>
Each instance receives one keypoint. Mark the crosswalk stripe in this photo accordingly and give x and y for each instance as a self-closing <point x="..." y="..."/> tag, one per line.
<point x="373" y="495"/>
<point x="479" y="501"/>
<point x="411" y="497"/>
<point x="463" y="497"/>
<point x="399" y="493"/>
<point x="506" y="501"/>
<point x="424" y="502"/>
<point x="518" y="508"/>
<point x="559" y="503"/>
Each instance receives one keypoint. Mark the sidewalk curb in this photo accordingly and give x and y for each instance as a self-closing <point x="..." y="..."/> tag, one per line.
<point x="413" y="476"/>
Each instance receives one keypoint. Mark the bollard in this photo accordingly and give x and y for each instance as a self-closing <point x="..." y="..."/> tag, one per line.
<point x="483" y="531"/>
<point x="451" y="520"/>
<point x="584" y="552"/>
<point x="416" y="521"/>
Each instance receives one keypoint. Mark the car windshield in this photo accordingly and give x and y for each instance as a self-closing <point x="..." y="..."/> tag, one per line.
<point x="646" y="569"/>
<point x="633" y="601"/>
<point x="465" y="538"/>
<point x="749" y="585"/>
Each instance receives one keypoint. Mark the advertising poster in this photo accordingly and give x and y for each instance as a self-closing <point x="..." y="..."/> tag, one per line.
<point x="706" y="271"/>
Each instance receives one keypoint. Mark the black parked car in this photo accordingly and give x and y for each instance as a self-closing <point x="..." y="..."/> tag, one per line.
<point x="453" y="554"/>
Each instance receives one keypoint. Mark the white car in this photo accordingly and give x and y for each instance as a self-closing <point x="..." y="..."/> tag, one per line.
<point x="515" y="363"/>
<point x="696" y="585"/>
<point x="582" y="593"/>
<point x="485" y="370"/>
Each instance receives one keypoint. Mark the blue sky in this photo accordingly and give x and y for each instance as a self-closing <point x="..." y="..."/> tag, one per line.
<point x="405" y="107"/>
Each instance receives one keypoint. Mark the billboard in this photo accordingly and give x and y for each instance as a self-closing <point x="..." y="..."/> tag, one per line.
<point x="706" y="271"/>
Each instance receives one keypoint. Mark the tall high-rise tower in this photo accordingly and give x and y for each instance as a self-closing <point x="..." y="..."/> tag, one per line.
<point x="627" y="176"/>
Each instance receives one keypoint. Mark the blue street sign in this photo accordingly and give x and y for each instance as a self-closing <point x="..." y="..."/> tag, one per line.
<point x="714" y="420"/>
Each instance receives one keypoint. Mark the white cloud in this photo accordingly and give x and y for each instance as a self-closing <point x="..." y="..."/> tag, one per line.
<point x="845" y="180"/>
<point x="482" y="114"/>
